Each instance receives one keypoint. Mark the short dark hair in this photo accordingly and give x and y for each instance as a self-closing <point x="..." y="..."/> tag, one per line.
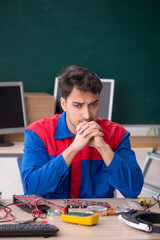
<point x="81" y="78"/>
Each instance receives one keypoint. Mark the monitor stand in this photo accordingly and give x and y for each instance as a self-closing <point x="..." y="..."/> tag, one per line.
<point x="3" y="143"/>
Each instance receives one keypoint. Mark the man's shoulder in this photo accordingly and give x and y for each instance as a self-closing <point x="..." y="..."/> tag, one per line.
<point x="44" y="124"/>
<point x="44" y="130"/>
<point x="105" y="123"/>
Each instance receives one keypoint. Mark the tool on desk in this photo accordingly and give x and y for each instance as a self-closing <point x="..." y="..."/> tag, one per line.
<point x="80" y="218"/>
<point x="147" y="204"/>
<point x="142" y="220"/>
<point x="96" y="209"/>
<point x="54" y="212"/>
<point x="33" y="220"/>
<point x="110" y="212"/>
<point x="143" y="202"/>
<point x="126" y="207"/>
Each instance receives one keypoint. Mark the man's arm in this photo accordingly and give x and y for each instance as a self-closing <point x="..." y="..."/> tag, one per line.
<point x="40" y="173"/>
<point x="125" y="173"/>
<point x="90" y="131"/>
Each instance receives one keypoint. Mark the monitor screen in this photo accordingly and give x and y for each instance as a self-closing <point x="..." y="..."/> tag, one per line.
<point x="106" y="98"/>
<point x="12" y="109"/>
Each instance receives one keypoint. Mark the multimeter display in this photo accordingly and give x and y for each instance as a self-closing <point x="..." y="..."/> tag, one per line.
<point x="77" y="214"/>
<point x="80" y="218"/>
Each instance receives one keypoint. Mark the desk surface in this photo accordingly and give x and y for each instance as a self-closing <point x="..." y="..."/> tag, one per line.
<point x="145" y="142"/>
<point x="136" y="142"/>
<point x="12" y="151"/>
<point x="107" y="227"/>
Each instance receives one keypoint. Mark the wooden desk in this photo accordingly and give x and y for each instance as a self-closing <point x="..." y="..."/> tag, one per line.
<point x="107" y="227"/>
<point x="145" y="142"/>
<point x="13" y="151"/>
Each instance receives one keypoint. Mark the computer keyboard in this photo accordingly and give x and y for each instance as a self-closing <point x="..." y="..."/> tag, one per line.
<point x="27" y="229"/>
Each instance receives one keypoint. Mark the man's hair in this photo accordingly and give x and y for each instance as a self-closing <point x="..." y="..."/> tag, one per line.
<point x="81" y="78"/>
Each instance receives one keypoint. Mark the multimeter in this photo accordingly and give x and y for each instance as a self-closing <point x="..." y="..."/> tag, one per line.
<point x="80" y="218"/>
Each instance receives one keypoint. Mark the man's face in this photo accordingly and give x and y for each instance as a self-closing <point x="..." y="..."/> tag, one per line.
<point x="80" y="106"/>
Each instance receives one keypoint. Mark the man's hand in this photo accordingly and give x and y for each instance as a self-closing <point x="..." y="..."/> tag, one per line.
<point x="89" y="133"/>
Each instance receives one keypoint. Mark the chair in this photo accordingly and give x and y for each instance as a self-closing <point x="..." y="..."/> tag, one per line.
<point x="150" y="157"/>
<point x="19" y="162"/>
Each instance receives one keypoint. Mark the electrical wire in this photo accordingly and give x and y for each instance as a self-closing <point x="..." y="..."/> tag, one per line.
<point x="36" y="212"/>
<point x="8" y="213"/>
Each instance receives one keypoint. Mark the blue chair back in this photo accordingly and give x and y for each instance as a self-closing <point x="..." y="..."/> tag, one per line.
<point x="19" y="162"/>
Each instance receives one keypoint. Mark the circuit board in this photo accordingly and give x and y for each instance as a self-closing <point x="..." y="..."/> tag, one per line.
<point x="84" y="203"/>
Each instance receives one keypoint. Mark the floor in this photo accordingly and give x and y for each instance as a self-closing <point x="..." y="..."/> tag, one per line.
<point x="10" y="182"/>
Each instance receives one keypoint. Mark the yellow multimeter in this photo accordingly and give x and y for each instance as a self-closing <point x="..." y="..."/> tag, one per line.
<point x="80" y="218"/>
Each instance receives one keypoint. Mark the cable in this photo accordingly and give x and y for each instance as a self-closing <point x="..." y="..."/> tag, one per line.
<point x="36" y="212"/>
<point x="7" y="211"/>
<point x="64" y="209"/>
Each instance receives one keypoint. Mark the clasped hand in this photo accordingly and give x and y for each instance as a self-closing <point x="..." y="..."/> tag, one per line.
<point x="88" y="133"/>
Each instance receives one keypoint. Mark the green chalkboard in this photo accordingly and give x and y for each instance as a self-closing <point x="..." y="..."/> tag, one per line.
<point x="115" y="39"/>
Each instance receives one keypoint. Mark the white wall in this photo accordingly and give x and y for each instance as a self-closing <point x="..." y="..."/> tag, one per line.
<point x="10" y="181"/>
<point x="143" y="130"/>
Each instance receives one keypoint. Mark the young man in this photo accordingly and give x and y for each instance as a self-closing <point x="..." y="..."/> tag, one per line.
<point x="76" y="154"/>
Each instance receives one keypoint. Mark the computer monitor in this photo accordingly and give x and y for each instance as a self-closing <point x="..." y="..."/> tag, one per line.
<point x="106" y="98"/>
<point x="12" y="110"/>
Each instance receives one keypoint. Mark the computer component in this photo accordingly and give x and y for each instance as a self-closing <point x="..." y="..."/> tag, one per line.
<point x="29" y="202"/>
<point x="84" y="203"/>
<point x="12" y="110"/>
<point x="26" y="229"/>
